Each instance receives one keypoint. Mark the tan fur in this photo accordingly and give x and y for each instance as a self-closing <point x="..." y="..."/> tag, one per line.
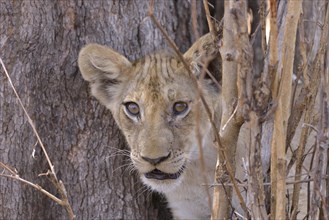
<point x="156" y="82"/>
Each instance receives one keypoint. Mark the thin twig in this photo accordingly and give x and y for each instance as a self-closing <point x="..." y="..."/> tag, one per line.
<point x="29" y="119"/>
<point x="216" y="132"/>
<point x="14" y="175"/>
<point x="230" y="118"/>
<point x="57" y="183"/>
<point x="194" y="15"/>
<point x="265" y="184"/>
<point x="37" y="187"/>
<point x="211" y="26"/>
<point x="311" y="126"/>
<point x="201" y="156"/>
<point x="6" y="167"/>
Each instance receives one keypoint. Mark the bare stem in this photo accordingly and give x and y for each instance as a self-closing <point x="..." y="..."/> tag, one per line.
<point x="37" y="187"/>
<point x="51" y="166"/>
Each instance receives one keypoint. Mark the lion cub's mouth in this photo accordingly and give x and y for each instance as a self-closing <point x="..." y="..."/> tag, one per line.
<point x="159" y="175"/>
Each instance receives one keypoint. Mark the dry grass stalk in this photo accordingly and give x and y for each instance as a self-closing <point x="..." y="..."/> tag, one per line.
<point x="284" y="88"/>
<point x="197" y="107"/>
<point x="51" y="173"/>
<point x="51" y="166"/>
<point x="199" y="139"/>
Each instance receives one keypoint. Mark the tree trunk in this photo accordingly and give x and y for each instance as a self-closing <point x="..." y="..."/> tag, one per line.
<point x="39" y="44"/>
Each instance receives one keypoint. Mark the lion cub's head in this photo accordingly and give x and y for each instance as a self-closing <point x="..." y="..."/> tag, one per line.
<point x="154" y="102"/>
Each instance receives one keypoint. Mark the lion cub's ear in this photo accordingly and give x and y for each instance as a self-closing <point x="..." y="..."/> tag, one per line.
<point x="104" y="69"/>
<point x="205" y="52"/>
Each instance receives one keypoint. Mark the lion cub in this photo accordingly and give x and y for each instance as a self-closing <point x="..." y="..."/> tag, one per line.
<point x="155" y="102"/>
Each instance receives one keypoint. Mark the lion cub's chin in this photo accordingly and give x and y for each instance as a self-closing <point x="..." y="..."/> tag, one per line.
<point x="163" y="186"/>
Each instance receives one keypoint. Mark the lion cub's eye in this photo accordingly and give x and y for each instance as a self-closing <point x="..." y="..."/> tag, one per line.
<point x="132" y="108"/>
<point x="180" y="108"/>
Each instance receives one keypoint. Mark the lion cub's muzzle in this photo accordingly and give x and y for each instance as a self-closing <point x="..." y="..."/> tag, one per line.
<point x="158" y="174"/>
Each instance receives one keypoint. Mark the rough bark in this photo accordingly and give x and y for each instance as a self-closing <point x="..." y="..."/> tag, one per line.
<point x="39" y="44"/>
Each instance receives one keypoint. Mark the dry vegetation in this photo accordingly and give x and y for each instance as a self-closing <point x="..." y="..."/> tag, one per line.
<point x="276" y="110"/>
<point x="279" y="114"/>
<point x="273" y="107"/>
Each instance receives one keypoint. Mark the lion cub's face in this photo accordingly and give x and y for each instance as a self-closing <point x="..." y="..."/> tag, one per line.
<point x="154" y="103"/>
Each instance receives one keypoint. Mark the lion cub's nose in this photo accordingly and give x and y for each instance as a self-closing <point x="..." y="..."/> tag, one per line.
<point x="155" y="161"/>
